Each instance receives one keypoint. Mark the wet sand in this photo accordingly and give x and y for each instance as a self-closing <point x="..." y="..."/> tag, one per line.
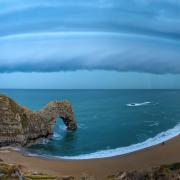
<point x="166" y="153"/>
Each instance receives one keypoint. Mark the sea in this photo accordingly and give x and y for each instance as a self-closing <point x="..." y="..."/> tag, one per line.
<point x="110" y="122"/>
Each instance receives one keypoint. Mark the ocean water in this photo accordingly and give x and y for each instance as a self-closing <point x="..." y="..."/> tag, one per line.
<point x="110" y="122"/>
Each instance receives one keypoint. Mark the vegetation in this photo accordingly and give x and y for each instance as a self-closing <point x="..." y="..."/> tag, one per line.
<point x="12" y="172"/>
<point x="42" y="177"/>
<point x="164" y="172"/>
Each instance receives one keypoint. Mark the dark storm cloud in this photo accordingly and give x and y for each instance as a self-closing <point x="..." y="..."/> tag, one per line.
<point x="131" y="35"/>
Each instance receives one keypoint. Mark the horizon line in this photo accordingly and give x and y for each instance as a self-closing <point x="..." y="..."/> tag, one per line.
<point x="90" y="89"/>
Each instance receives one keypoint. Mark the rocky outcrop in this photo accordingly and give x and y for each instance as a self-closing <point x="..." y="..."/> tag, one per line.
<point x="22" y="127"/>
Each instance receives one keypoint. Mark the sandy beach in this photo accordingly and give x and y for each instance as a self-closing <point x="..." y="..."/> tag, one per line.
<point x="166" y="153"/>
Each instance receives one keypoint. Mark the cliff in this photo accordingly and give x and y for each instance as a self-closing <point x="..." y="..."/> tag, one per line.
<point x="21" y="127"/>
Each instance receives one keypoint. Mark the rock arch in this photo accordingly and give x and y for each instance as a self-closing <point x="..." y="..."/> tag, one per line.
<point x="21" y="127"/>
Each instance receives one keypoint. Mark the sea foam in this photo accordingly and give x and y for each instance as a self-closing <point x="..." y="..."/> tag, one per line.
<point x="159" y="138"/>
<point x="138" y="104"/>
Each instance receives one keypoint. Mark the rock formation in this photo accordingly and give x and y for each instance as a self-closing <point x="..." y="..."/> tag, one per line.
<point x="22" y="127"/>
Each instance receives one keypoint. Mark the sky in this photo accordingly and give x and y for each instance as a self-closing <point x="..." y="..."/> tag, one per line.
<point x="97" y="44"/>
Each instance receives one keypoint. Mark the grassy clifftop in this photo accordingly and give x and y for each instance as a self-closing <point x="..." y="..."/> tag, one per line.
<point x="164" y="172"/>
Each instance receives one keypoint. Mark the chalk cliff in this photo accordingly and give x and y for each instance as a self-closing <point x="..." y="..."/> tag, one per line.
<point x="21" y="127"/>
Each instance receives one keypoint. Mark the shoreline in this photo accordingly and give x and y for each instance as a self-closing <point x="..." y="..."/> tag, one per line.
<point x="120" y="151"/>
<point x="139" y="160"/>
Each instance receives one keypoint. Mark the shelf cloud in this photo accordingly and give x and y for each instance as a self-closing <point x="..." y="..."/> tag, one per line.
<point x="53" y="35"/>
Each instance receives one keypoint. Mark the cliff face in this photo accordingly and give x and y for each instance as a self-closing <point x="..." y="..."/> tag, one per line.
<point x="22" y="127"/>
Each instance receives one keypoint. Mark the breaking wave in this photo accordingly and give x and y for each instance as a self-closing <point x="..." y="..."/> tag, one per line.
<point x="159" y="138"/>
<point x="138" y="104"/>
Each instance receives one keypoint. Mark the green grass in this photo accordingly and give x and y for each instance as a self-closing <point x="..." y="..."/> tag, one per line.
<point x="42" y="177"/>
<point x="172" y="167"/>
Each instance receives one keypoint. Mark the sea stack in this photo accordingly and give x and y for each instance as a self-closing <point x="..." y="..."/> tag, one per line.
<point x="21" y="127"/>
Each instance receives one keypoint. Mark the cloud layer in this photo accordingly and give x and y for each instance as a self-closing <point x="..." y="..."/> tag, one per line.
<point x="49" y="36"/>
